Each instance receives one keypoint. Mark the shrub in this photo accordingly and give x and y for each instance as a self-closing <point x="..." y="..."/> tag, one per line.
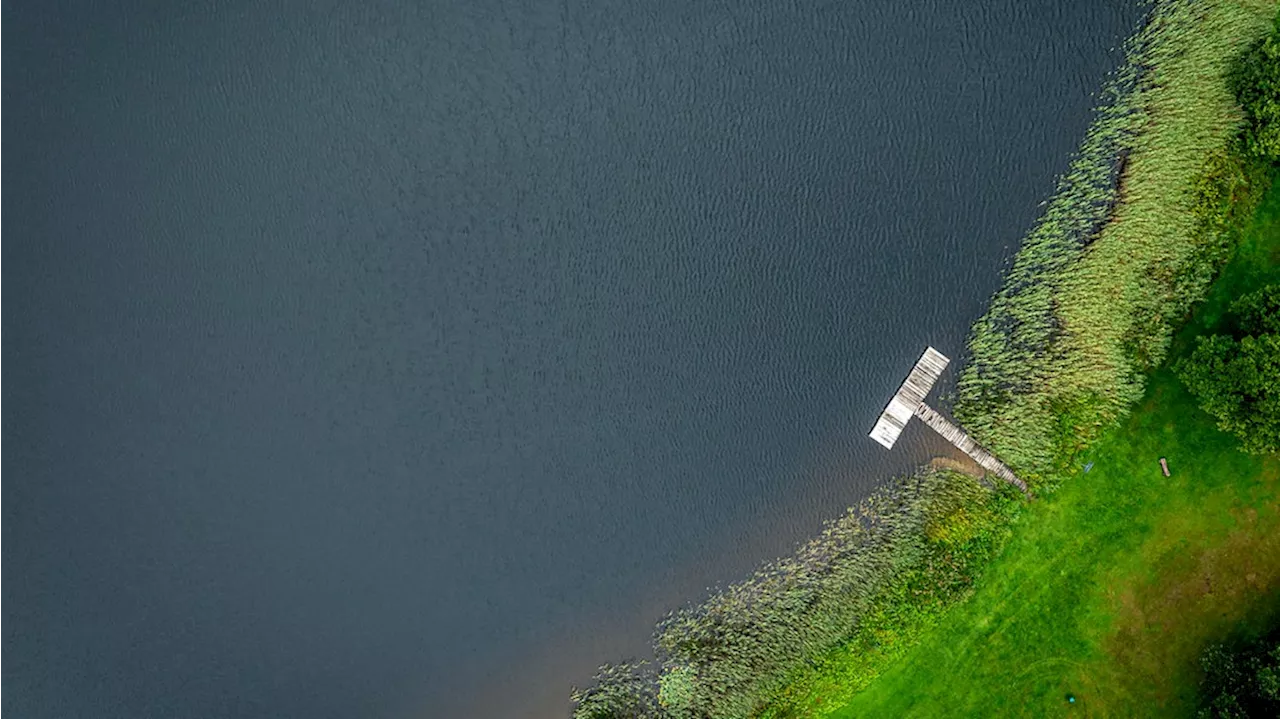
<point x="1236" y="378"/>
<point x="1257" y="84"/>
<point x="1244" y="682"/>
<point x="1258" y="312"/>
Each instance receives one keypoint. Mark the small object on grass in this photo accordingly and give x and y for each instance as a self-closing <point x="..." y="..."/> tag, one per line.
<point x="1071" y="698"/>
<point x="1164" y="465"/>
<point x="1088" y="467"/>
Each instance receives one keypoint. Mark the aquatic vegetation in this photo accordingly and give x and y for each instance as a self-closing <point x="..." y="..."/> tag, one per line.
<point x="1113" y="585"/>
<point x="871" y="581"/>
<point x="1139" y="227"/>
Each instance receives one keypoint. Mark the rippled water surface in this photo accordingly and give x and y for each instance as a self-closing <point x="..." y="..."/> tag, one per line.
<point x="398" y="358"/>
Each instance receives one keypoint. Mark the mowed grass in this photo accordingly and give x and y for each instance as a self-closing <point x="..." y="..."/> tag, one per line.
<point x="1112" y="586"/>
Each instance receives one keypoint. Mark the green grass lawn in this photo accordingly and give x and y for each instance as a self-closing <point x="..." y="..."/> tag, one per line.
<point x="1111" y="587"/>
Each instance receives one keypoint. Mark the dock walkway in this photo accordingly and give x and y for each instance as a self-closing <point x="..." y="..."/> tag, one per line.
<point x="909" y="402"/>
<point x="966" y="444"/>
<point x="912" y="392"/>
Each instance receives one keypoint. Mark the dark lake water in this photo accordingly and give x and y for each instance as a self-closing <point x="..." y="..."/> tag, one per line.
<point x="411" y="359"/>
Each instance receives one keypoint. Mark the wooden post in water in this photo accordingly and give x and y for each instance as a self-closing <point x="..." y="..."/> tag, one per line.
<point x="909" y="402"/>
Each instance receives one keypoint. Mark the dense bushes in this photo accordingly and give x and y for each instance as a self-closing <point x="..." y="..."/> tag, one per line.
<point x="1256" y="82"/>
<point x="1241" y="682"/>
<point x="1236" y="377"/>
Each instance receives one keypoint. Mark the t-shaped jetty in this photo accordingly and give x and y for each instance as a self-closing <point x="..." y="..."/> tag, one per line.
<point x="909" y="402"/>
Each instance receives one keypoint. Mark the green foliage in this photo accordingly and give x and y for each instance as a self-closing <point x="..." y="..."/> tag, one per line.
<point x="1237" y="378"/>
<point x="1148" y="213"/>
<point x="679" y="687"/>
<point x="1077" y="425"/>
<point x="1114" y="584"/>
<point x="1241" y="682"/>
<point x="1223" y="197"/>
<point x="1049" y="615"/>
<point x="620" y="691"/>
<point x="870" y="575"/>
<point x="1258" y="312"/>
<point x="1257" y="85"/>
<point x="960" y="537"/>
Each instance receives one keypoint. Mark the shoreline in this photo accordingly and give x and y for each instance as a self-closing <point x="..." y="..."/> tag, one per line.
<point x="1087" y="309"/>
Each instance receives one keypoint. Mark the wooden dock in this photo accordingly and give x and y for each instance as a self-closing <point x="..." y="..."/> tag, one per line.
<point x="966" y="444"/>
<point x="909" y="402"/>
<point x="912" y="392"/>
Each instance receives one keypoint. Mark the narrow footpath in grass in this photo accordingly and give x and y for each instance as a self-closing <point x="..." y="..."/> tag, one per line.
<point x="1105" y="596"/>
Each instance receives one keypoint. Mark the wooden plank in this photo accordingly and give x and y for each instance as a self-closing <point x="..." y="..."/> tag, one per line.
<point x="909" y="396"/>
<point x="966" y="444"/>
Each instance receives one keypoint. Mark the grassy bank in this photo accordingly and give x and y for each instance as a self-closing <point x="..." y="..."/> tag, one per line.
<point x="1068" y="346"/>
<point x="1088" y="308"/>
<point x="1114" y="585"/>
<point x="1140" y="225"/>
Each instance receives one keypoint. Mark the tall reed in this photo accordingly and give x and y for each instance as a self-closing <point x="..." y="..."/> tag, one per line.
<point x="1137" y="229"/>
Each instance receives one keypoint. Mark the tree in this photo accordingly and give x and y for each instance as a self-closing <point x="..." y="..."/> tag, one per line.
<point x="1257" y="86"/>
<point x="1244" y="682"/>
<point x="1258" y="312"/>
<point x="1236" y="377"/>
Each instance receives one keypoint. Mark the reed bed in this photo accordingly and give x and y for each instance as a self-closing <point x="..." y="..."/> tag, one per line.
<point x="1137" y="229"/>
